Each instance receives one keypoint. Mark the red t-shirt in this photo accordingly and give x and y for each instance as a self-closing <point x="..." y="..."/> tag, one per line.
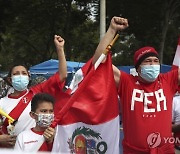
<point x="147" y="109"/>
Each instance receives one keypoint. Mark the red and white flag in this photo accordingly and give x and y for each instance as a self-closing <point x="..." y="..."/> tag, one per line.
<point x="176" y="61"/>
<point x="88" y="119"/>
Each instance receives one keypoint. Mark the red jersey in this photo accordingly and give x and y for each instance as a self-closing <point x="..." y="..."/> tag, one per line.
<point x="147" y="111"/>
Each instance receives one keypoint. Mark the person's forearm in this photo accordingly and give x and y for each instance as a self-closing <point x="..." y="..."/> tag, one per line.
<point x="175" y="128"/>
<point x="106" y="40"/>
<point x="62" y="65"/>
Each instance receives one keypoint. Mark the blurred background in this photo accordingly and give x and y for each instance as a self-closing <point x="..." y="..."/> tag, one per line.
<point x="27" y="28"/>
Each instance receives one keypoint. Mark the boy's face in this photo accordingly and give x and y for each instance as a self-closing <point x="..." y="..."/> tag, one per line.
<point x="45" y="108"/>
<point x="43" y="115"/>
<point x="42" y="108"/>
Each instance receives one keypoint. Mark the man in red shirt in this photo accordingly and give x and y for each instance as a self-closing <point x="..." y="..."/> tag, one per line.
<point x="146" y="99"/>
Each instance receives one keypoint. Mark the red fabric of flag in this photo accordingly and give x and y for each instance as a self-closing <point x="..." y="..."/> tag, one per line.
<point x="94" y="102"/>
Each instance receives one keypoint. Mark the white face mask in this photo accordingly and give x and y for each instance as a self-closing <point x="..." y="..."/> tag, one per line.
<point x="44" y="120"/>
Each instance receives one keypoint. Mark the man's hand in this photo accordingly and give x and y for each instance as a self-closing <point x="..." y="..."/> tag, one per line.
<point x="8" y="140"/>
<point x="49" y="134"/>
<point x="59" y="42"/>
<point x="118" y="23"/>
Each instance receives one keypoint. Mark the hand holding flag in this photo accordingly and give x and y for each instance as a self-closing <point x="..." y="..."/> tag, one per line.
<point x="67" y="106"/>
<point x="74" y="99"/>
<point x="90" y="111"/>
<point x="103" y="55"/>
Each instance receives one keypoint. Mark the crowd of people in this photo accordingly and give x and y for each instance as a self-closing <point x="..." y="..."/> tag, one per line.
<point x="146" y="105"/>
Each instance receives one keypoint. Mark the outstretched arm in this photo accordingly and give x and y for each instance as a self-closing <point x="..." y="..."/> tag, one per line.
<point x="59" y="43"/>
<point x="117" y="24"/>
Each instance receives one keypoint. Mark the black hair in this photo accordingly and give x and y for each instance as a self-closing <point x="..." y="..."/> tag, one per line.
<point x="11" y="68"/>
<point x="40" y="98"/>
<point x="10" y="72"/>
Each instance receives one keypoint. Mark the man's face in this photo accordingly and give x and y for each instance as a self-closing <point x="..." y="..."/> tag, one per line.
<point x="149" y="61"/>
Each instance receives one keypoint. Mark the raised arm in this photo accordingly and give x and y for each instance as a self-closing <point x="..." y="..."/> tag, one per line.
<point x="117" y="24"/>
<point x="59" y="43"/>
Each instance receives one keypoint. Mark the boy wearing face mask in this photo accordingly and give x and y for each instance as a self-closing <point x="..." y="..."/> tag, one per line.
<point x="42" y="111"/>
<point x="146" y="99"/>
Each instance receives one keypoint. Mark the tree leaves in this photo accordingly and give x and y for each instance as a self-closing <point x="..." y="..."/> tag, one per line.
<point x="27" y="29"/>
<point x="30" y="27"/>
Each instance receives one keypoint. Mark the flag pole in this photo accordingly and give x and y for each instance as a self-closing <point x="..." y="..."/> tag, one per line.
<point x="103" y="55"/>
<point x="111" y="44"/>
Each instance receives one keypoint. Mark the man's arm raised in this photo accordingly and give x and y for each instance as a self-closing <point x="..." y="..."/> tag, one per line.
<point x="117" y="24"/>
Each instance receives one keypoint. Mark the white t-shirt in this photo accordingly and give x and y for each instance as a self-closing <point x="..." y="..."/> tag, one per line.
<point x="27" y="141"/>
<point x="24" y="122"/>
<point x="176" y="110"/>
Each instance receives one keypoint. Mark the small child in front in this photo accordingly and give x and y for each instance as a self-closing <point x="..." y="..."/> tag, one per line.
<point x="42" y="110"/>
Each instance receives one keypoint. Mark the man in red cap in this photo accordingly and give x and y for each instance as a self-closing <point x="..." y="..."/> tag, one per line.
<point x="146" y="99"/>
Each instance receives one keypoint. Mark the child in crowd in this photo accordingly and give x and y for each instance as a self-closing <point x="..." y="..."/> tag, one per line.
<point x="42" y="111"/>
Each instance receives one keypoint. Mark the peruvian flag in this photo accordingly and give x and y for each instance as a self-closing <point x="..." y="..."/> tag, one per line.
<point x="87" y="117"/>
<point x="176" y="62"/>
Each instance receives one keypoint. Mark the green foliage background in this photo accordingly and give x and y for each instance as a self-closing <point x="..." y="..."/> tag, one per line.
<point x="27" y="28"/>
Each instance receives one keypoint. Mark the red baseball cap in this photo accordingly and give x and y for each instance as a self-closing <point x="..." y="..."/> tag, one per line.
<point x="142" y="54"/>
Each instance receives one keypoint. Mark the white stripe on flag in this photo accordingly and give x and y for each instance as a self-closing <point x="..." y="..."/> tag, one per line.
<point x="77" y="78"/>
<point x="176" y="61"/>
<point x="87" y="137"/>
<point x="99" y="61"/>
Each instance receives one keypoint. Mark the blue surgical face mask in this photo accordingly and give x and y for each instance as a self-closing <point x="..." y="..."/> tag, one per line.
<point x="20" y="82"/>
<point x="150" y="72"/>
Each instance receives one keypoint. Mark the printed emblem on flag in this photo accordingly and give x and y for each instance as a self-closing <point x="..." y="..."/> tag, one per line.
<point x="86" y="141"/>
